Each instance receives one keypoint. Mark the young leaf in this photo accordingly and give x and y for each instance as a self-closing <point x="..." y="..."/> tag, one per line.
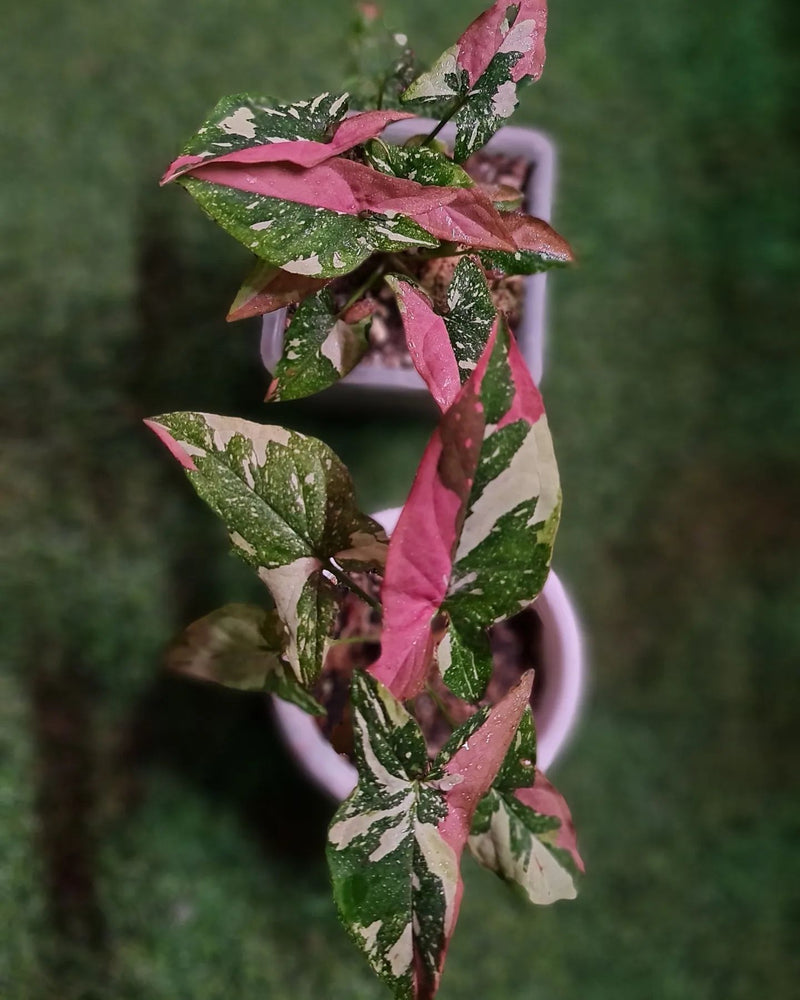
<point x="246" y="130"/>
<point x="446" y="349"/>
<point x="475" y="537"/>
<point x="319" y="348"/>
<point x="287" y="502"/>
<point x="539" y="247"/>
<point x="239" y="646"/>
<point x="501" y="48"/>
<point x="394" y="845"/>
<point x="522" y="828"/>
<point x="268" y="288"/>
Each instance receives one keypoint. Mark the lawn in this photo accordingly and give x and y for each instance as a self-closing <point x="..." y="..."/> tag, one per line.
<point x="155" y="842"/>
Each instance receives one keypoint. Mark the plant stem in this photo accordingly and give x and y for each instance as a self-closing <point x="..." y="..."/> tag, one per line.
<point x="365" y="287"/>
<point x="457" y="106"/>
<point x="437" y="700"/>
<point x="343" y="578"/>
<point x="352" y="640"/>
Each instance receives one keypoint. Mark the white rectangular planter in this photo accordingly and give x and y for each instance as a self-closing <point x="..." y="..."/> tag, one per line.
<point x="514" y="141"/>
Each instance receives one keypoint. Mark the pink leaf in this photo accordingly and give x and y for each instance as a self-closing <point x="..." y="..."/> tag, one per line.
<point x="460" y="215"/>
<point x="300" y="152"/>
<point x="269" y="288"/>
<point x="490" y="34"/>
<point x="428" y="342"/>
<point x="543" y="798"/>
<point x="530" y="233"/>
<point x="479" y="760"/>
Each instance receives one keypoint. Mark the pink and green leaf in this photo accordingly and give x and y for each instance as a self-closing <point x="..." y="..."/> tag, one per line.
<point x="475" y="537"/>
<point x="240" y="646"/>
<point x="267" y="288"/>
<point x="499" y="50"/>
<point x="395" y="844"/>
<point x="522" y="829"/>
<point x="288" y="504"/>
<point x="539" y="247"/>
<point x="319" y="348"/>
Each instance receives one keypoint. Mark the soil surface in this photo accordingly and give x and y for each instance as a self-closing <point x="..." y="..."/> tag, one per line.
<point x="516" y="647"/>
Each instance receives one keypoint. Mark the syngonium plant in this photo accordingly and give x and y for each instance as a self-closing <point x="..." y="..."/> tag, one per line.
<point x="316" y="193"/>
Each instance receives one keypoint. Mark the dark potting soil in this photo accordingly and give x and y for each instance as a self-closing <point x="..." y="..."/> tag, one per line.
<point x="387" y="338"/>
<point x="516" y="647"/>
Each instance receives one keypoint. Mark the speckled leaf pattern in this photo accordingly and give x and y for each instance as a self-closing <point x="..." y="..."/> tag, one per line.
<point x="475" y="537"/>
<point x="522" y="829"/>
<point x="302" y="239"/>
<point x="287" y="502"/>
<point x="242" y="121"/>
<point x="500" y="49"/>
<point x="239" y="646"/>
<point x="394" y="845"/>
<point x="319" y="348"/>
<point x="416" y="163"/>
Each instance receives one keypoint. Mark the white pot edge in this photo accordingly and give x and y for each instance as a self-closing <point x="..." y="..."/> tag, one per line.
<point x="556" y="717"/>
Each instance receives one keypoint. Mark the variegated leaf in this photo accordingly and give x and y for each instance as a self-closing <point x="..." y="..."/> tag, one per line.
<point x="445" y="349"/>
<point x="300" y="238"/>
<point x="243" y="130"/>
<point x="319" y="348"/>
<point x="522" y="829"/>
<point x="240" y="646"/>
<point x="287" y="502"/>
<point x="394" y="845"/>
<point x="539" y="247"/>
<point x="475" y="537"/>
<point x="500" y="49"/>
<point x="267" y="288"/>
<point x="416" y="163"/>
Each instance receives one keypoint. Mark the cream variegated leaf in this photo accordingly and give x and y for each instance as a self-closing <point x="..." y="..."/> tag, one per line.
<point x="522" y="829"/>
<point x="475" y="537"/>
<point x="287" y="502"/>
<point x="319" y="348"/>
<point x="394" y="845"/>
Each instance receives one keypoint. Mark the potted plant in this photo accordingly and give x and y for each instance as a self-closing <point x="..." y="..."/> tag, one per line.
<point x="334" y="213"/>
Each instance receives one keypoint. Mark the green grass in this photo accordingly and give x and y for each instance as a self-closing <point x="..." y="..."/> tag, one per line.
<point x="671" y="387"/>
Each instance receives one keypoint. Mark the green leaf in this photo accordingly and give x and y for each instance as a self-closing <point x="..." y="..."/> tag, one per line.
<point x="302" y="239"/>
<point x="492" y="101"/>
<point x="416" y="163"/>
<point x="319" y="348"/>
<point x="471" y="314"/>
<point x="522" y="829"/>
<point x="521" y="262"/>
<point x="241" y="120"/>
<point x="239" y="646"/>
<point x="267" y="289"/>
<point x="287" y="502"/>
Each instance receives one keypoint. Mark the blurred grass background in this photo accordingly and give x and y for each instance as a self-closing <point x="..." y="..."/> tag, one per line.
<point x="155" y="842"/>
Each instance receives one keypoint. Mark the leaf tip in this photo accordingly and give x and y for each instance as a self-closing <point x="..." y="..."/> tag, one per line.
<point x="173" y="446"/>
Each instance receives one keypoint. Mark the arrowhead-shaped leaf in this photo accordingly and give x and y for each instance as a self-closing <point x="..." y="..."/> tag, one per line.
<point x="395" y="843"/>
<point x="500" y="49"/>
<point x="267" y="288"/>
<point x="445" y="349"/>
<point x="240" y="646"/>
<point x="319" y="348"/>
<point x="301" y="239"/>
<point x="244" y="130"/>
<point x="287" y="502"/>
<point x="475" y="537"/>
<point x="539" y="247"/>
<point x="522" y="829"/>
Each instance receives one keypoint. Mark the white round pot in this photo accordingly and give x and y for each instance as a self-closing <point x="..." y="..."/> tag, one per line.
<point x="555" y="713"/>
